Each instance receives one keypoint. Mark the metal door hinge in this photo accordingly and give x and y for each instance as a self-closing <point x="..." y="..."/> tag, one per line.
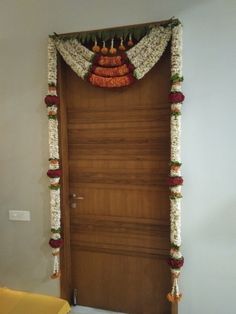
<point x="75" y="297"/>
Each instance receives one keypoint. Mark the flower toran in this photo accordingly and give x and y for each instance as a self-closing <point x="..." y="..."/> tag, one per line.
<point x="114" y="72"/>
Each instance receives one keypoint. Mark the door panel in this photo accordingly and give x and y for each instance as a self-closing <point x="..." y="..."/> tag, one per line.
<point x="118" y="155"/>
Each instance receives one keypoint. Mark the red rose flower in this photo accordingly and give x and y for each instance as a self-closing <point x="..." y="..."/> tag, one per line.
<point x="175" y="97"/>
<point x="54" y="173"/>
<point x="173" y="181"/>
<point x="176" y="263"/>
<point x="56" y="243"/>
<point x="51" y="100"/>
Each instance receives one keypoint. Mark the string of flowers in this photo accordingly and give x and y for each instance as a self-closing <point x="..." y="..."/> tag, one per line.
<point x="140" y="58"/>
<point x="145" y="54"/>
<point x="54" y="172"/>
<point x="175" y="181"/>
<point x="79" y="64"/>
<point x="118" y="71"/>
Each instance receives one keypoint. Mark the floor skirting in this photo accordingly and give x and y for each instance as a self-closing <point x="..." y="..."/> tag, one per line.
<point x="88" y="310"/>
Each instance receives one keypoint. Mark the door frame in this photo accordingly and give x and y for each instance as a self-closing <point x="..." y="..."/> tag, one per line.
<point x="65" y="254"/>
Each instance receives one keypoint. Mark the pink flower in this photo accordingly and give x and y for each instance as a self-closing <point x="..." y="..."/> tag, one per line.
<point x="173" y="181"/>
<point x="54" y="173"/>
<point x="56" y="243"/>
<point x="175" y="97"/>
<point x="51" y="100"/>
<point x="176" y="263"/>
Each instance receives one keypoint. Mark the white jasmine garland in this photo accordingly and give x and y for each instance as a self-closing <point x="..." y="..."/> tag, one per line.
<point x="150" y="39"/>
<point x="55" y="209"/>
<point x="151" y="59"/>
<point x="176" y="69"/>
<point x="53" y="139"/>
<point x="176" y="51"/>
<point x="52" y="62"/>
<point x="150" y="50"/>
<point x="175" y="124"/>
<point x="175" y="221"/>
<point x="74" y="53"/>
<point x="148" y="44"/>
<point x="80" y="66"/>
<point x="175" y="137"/>
<point x="81" y="50"/>
<point x="55" y="212"/>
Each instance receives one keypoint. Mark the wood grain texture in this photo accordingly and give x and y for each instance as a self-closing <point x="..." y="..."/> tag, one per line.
<point x="118" y="144"/>
<point x="65" y="255"/>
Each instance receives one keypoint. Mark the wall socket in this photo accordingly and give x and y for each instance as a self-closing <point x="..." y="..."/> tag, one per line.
<point x="19" y="215"/>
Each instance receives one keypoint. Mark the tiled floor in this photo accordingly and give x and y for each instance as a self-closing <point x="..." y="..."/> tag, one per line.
<point x="89" y="310"/>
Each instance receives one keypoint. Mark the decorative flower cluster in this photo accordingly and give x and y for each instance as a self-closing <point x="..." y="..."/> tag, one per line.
<point x="54" y="173"/>
<point x="145" y="54"/>
<point x="110" y="82"/>
<point x="118" y="71"/>
<point x="115" y="71"/>
<point x="72" y="56"/>
<point x="175" y="180"/>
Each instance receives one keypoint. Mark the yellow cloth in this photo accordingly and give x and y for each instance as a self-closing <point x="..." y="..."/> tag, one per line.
<point x="17" y="302"/>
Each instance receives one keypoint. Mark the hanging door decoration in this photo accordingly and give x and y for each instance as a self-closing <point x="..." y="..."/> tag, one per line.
<point x="115" y="59"/>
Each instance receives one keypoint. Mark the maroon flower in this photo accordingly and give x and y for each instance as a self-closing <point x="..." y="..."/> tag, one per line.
<point x="51" y="100"/>
<point x="56" y="243"/>
<point x="176" y="263"/>
<point x="173" y="181"/>
<point x="54" y="173"/>
<point x="175" y="97"/>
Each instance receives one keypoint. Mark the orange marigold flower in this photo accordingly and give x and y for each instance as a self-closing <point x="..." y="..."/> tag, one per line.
<point x="114" y="71"/>
<point x="111" y="82"/>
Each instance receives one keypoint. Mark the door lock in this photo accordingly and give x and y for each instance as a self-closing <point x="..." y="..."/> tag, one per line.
<point x="74" y="198"/>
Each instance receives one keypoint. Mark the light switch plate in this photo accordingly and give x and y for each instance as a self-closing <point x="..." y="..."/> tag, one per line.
<point x="19" y="215"/>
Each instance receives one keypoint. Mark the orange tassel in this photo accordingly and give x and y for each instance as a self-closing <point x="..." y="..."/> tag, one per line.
<point x="130" y="42"/>
<point x="104" y="49"/>
<point x="96" y="48"/>
<point x="174" y="298"/>
<point x="56" y="275"/>
<point x="121" y="47"/>
<point x="112" y="49"/>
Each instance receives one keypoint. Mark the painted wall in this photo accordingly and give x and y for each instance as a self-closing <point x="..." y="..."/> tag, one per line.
<point x="209" y="215"/>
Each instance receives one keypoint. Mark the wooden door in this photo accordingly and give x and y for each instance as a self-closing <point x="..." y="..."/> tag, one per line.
<point x="115" y="150"/>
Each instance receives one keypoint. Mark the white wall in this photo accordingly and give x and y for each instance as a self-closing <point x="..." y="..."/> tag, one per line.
<point x="209" y="215"/>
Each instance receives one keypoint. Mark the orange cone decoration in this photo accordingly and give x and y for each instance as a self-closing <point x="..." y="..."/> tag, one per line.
<point x="96" y="48"/>
<point x="104" y="49"/>
<point x="112" y="49"/>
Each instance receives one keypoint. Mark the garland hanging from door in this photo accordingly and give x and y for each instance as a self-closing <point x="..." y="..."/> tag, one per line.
<point x="113" y="68"/>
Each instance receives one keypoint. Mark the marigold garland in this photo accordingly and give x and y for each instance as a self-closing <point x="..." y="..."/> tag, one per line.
<point x="116" y="71"/>
<point x="113" y="71"/>
<point x="111" y="82"/>
<point x="106" y="61"/>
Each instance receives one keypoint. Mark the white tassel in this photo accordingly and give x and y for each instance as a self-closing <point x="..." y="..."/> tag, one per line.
<point x="56" y="267"/>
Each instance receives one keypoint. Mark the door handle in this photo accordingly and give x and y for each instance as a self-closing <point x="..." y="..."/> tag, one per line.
<point x="75" y="197"/>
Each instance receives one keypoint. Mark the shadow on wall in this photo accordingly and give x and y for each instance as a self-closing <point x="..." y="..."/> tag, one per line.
<point x="212" y="226"/>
